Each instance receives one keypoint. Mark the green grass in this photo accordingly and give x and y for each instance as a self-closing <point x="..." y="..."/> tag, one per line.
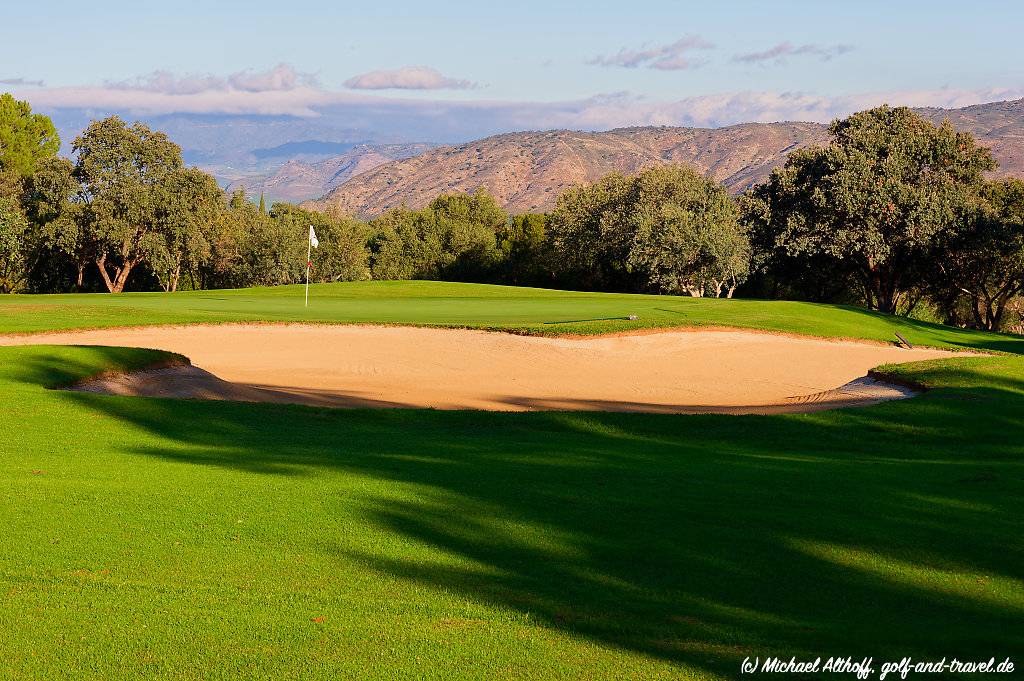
<point x="148" y="538"/>
<point x="536" y="311"/>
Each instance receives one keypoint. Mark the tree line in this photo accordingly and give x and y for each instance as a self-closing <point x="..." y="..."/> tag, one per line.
<point x="894" y="214"/>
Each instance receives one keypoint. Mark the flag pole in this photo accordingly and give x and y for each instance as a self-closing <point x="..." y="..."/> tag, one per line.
<point x="309" y="253"/>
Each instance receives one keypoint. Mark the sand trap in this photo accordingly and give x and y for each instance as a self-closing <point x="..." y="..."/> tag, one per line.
<point x="377" y="366"/>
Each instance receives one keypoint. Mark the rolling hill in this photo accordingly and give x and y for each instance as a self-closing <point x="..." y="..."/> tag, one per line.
<point x="526" y="171"/>
<point x="298" y="179"/>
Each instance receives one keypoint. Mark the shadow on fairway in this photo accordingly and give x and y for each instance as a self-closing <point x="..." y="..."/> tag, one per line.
<point x="885" y="532"/>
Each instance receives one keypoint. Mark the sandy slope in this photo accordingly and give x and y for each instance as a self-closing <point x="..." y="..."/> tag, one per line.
<point x="376" y="366"/>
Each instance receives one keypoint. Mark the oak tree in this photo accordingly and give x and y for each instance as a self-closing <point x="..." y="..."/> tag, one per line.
<point x="878" y="199"/>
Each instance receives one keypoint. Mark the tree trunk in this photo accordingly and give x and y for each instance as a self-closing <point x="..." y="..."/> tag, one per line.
<point x="175" y="278"/>
<point x="115" y="285"/>
<point x="122" y="277"/>
<point x="81" y="275"/>
<point x="101" y="263"/>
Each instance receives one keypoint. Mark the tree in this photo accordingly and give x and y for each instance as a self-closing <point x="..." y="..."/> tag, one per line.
<point x="984" y="263"/>
<point x="263" y="204"/>
<point x="121" y="168"/>
<point x="187" y="205"/>
<point x="523" y="245"/>
<point x="56" y="204"/>
<point x="250" y="248"/>
<point x="877" y="200"/>
<point x="463" y="228"/>
<point x="15" y="246"/>
<point x="454" y="237"/>
<point x="25" y="138"/>
<point x="686" y="237"/>
<point x="341" y="255"/>
<point x="396" y="245"/>
<point x="667" y="229"/>
<point x="589" y="240"/>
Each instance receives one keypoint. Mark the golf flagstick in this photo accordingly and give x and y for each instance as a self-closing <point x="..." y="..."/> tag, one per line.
<point x="310" y="245"/>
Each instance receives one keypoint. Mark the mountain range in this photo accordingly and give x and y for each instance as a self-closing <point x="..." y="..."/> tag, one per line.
<point x="297" y="179"/>
<point x="526" y="171"/>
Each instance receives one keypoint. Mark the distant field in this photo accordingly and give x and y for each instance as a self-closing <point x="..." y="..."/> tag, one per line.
<point x="538" y="311"/>
<point x="147" y="538"/>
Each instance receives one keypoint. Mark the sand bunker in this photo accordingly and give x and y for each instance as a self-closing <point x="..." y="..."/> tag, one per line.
<point x="376" y="366"/>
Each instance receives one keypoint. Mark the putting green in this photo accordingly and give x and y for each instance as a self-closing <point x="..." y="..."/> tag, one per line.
<point x="431" y="303"/>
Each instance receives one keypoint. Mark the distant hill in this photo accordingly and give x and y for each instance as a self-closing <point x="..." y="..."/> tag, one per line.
<point x="297" y="180"/>
<point x="997" y="125"/>
<point x="526" y="171"/>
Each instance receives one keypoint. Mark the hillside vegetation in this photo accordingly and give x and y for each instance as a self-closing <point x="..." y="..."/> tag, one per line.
<point x="526" y="171"/>
<point x="300" y="179"/>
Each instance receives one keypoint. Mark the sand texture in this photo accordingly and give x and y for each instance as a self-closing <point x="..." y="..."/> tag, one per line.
<point x="379" y="366"/>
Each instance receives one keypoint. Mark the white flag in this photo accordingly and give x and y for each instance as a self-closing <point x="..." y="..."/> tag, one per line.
<point x="312" y="238"/>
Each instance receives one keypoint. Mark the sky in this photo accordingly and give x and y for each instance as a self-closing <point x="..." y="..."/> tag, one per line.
<point x="526" y="64"/>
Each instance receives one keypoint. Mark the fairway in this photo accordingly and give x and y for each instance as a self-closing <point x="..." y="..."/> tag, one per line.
<point x="156" y="538"/>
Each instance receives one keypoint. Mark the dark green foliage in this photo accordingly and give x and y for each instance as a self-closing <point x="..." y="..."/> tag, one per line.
<point x="15" y="246"/>
<point x="249" y="248"/>
<point x="452" y="238"/>
<point x="188" y="208"/>
<point x="668" y="229"/>
<point x="982" y="265"/>
<point x="123" y="170"/>
<point x="591" y="249"/>
<point x="58" y="204"/>
<point x="686" y="237"/>
<point x="525" y="252"/>
<point x="341" y="255"/>
<point x="875" y="203"/>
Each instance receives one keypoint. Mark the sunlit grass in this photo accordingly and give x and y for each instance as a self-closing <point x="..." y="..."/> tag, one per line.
<point x="147" y="538"/>
<point x="535" y="311"/>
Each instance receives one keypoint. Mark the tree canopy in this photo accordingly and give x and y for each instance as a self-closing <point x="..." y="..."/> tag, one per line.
<point x="25" y="138"/>
<point x="668" y="229"/>
<point x="894" y="210"/>
<point x="982" y="265"/>
<point x="122" y="169"/>
<point x="878" y="199"/>
<point x="454" y="237"/>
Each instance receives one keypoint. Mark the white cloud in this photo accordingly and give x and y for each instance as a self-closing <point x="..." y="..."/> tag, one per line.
<point x="671" y="57"/>
<point x="297" y="102"/>
<point x="623" y="109"/>
<point x="167" y="83"/>
<point x="779" y="53"/>
<point x="21" y="81"/>
<point x="281" y="78"/>
<point x="407" y="78"/>
<point x="437" y="119"/>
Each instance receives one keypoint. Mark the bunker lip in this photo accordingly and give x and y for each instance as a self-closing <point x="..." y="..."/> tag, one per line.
<point x="534" y="330"/>
<point x="185" y="381"/>
<point x="691" y="371"/>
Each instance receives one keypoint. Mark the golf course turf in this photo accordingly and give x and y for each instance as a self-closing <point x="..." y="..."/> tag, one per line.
<point x="149" y="538"/>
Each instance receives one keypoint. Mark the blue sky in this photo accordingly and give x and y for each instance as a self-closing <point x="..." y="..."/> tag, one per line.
<point x="698" y="62"/>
